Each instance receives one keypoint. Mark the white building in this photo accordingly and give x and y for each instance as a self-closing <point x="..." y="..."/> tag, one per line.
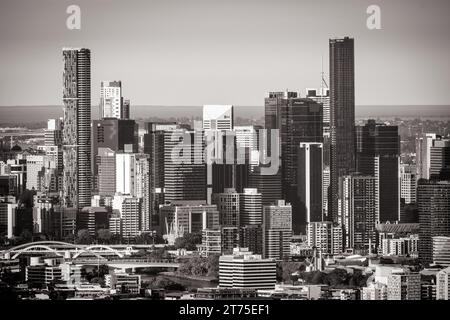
<point x="374" y="291"/>
<point x="218" y="117"/>
<point x="408" y="183"/>
<point x="404" y="286"/>
<point x="244" y="270"/>
<point x="325" y="236"/>
<point x="441" y="250"/>
<point x="111" y="99"/>
<point x="129" y="209"/>
<point x="443" y="284"/>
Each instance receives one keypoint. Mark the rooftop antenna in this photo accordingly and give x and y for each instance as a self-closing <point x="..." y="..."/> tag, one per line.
<point x="323" y="79"/>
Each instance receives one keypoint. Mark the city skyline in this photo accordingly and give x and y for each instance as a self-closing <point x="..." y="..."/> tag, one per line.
<point x="306" y="202"/>
<point x="159" y="56"/>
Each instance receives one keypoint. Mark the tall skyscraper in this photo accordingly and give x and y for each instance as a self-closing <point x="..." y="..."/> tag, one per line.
<point x="154" y="147"/>
<point x="310" y="182"/>
<point x="433" y="202"/>
<point x="298" y="120"/>
<point x="77" y="127"/>
<point x="378" y="155"/>
<point x="342" y="115"/>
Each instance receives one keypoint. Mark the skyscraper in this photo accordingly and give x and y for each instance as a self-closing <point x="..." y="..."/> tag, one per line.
<point x="433" y="157"/>
<point x="154" y="147"/>
<point x="342" y="115"/>
<point x="378" y="155"/>
<point x="357" y="212"/>
<point x="106" y="172"/>
<point x="310" y="182"/>
<point x="250" y="207"/>
<point x="299" y="120"/>
<point x="184" y="167"/>
<point x="77" y="127"/>
<point x="408" y="183"/>
<point x="433" y="202"/>
<point x="228" y="205"/>
<point x="111" y="99"/>
<point x="277" y="230"/>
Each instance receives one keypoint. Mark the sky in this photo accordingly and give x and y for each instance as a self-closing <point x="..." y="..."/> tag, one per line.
<point x="196" y="52"/>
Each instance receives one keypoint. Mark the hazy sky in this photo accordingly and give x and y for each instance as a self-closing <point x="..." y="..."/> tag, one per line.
<point x="195" y="52"/>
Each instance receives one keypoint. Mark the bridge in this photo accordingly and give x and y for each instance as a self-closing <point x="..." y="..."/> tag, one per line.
<point x="73" y="251"/>
<point x="129" y="263"/>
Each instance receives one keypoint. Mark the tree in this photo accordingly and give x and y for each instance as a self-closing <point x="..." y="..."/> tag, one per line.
<point x="189" y="241"/>
<point x="285" y="269"/>
<point x="83" y="237"/>
<point x="337" y="277"/>
<point x="104" y="236"/>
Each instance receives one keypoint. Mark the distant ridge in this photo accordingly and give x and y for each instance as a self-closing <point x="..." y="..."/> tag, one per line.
<point x="27" y="114"/>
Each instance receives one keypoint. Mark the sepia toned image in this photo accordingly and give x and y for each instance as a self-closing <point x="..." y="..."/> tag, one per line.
<point x="196" y="150"/>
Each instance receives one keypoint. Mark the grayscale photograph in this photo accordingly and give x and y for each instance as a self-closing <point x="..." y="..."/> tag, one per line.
<point x="251" y="152"/>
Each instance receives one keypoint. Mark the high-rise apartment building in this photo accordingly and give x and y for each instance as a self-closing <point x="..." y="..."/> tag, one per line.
<point x="77" y="127"/>
<point x="277" y="230"/>
<point x="326" y="236"/>
<point x="342" y="115"/>
<point x="403" y="286"/>
<point x="129" y="209"/>
<point x="408" y="183"/>
<point x="358" y="211"/>
<point x="433" y="202"/>
<point x="251" y="237"/>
